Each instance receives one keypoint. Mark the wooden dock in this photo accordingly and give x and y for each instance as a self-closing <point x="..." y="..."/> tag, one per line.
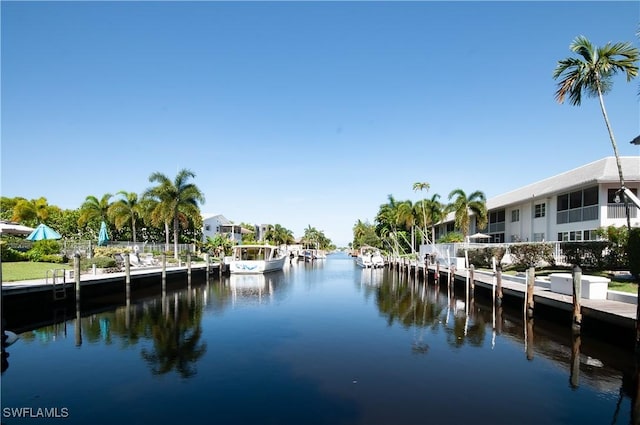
<point x="619" y="309"/>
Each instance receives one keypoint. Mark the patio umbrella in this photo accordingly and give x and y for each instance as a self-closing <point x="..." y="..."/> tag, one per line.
<point x="43" y="232"/>
<point x="11" y="228"/>
<point x="480" y="236"/>
<point x="103" y="236"/>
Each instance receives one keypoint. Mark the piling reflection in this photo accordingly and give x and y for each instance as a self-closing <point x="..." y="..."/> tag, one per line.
<point x="424" y="306"/>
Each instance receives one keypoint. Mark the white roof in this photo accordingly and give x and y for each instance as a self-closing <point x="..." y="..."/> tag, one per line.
<point x="220" y="218"/>
<point x="602" y="171"/>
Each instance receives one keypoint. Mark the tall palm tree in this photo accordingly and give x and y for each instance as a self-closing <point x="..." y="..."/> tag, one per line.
<point x="94" y="208"/>
<point x="126" y="210"/>
<point x="406" y="219"/>
<point x="436" y="212"/>
<point x="592" y="73"/>
<point x="176" y="201"/>
<point x="462" y="205"/>
<point x="422" y="186"/>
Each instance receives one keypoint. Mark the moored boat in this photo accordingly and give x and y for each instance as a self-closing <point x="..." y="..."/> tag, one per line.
<point x="369" y="256"/>
<point x="256" y="259"/>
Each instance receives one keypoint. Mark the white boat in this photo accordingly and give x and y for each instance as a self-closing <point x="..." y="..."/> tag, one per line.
<point x="369" y="257"/>
<point x="256" y="259"/>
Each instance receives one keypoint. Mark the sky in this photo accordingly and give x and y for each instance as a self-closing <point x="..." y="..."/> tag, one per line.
<point x="301" y="113"/>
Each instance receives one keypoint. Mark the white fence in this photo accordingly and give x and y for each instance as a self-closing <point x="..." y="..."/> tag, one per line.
<point x="86" y="248"/>
<point x="446" y="253"/>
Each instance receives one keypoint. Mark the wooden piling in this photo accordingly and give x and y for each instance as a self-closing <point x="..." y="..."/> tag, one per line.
<point x="76" y="276"/>
<point x="577" y="294"/>
<point x="437" y="276"/>
<point x="127" y="277"/>
<point x="499" y="284"/>
<point x="164" y="274"/>
<point x="189" y="268"/>
<point x="531" y="280"/>
<point x="472" y="278"/>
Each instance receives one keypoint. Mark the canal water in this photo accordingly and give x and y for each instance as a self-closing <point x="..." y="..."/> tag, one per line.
<point x="321" y="343"/>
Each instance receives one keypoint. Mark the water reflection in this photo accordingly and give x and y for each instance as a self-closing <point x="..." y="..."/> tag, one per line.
<point x="324" y="354"/>
<point x="425" y="306"/>
<point x="253" y="288"/>
<point x="175" y="327"/>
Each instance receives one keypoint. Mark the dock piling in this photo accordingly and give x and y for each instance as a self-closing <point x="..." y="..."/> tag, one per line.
<point x="76" y="273"/>
<point x="127" y="277"/>
<point x="531" y="280"/>
<point x="577" y="294"/>
<point x="164" y="274"/>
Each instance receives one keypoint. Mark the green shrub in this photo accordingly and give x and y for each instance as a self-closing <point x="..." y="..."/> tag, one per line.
<point x="51" y="258"/>
<point x="42" y="248"/>
<point x="482" y="257"/>
<point x="588" y="254"/>
<point x="101" y="262"/>
<point x="10" y="255"/>
<point x="615" y="255"/>
<point x="532" y="254"/>
<point x="633" y="252"/>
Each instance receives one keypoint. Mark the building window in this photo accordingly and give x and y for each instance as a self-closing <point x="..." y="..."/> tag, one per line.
<point x="578" y="235"/>
<point x="515" y="216"/>
<point x="580" y="205"/>
<point x="207" y="227"/>
<point x="538" y="237"/>
<point x="496" y="221"/>
<point x="540" y="210"/>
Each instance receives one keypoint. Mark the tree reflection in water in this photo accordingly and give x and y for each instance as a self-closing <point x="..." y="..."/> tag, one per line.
<point x="412" y="304"/>
<point x="175" y="329"/>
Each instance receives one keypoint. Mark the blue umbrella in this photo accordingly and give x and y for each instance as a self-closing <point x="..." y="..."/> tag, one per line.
<point x="103" y="236"/>
<point x="43" y="232"/>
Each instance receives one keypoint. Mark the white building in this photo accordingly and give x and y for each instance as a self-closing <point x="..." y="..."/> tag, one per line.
<point x="566" y="207"/>
<point x="214" y="224"/>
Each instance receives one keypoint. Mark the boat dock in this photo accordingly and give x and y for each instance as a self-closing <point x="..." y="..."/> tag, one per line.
<point x="56" y="282"/>
<point x="619" y="309"/>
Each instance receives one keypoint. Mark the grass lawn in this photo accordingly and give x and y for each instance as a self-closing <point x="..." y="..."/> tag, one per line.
<point x="27" y="270"/>
<point x="622" y="285"/>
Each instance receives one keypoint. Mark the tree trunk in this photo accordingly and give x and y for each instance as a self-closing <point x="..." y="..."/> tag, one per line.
<point x="166" y="236"/>
<point x="615" y="152"/>
<point x="133" y="228"/>
<point x="175" y="238"/>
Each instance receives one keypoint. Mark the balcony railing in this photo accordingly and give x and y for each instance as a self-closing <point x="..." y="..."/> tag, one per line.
<point x="617" y="211"/>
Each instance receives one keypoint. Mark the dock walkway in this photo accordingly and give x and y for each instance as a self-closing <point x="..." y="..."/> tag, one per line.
<point x="44" y="284"/>
<point x="619" y="309"/>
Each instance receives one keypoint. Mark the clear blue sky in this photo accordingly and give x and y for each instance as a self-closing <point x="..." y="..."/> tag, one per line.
<point x="300" y="113"/>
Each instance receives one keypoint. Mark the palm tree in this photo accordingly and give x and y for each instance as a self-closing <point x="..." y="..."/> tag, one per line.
<point x="35" y="210"/>
<point x="422" y="186"/>
<point x="462" y="205"/>
<point x="176" y="201"/>
<point x="279" y="235"/>
<point x="95" y="209"/>
<point x="592" y="74"/>
<point x="406" y="219"/>
<point x="436" y="212"/>
<point x="126" y="209"/>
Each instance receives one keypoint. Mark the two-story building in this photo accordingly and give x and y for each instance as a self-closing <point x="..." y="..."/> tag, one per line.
<point x="215" y="224"/>
<point x="566" y="207"/>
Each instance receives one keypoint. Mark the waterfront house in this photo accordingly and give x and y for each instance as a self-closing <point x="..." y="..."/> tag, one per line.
<point x="566" y="207"/>
<point x="214" y="224"/>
